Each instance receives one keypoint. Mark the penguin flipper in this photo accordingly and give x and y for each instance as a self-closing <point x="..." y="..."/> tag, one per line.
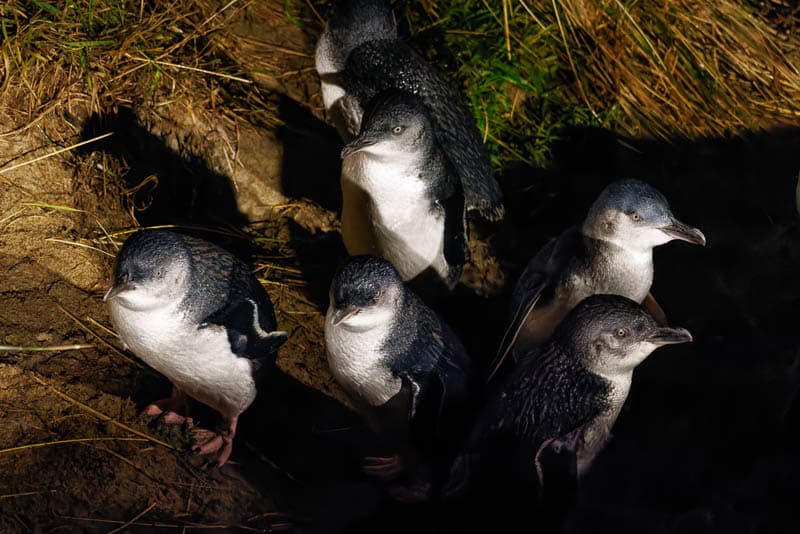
<point x="556" y="459"/>
<point x="454" y="379"/>
<point x="513" y="330"/>
<point x="392" y="419"/>
<point x="442" y="372"/>
<point x="248" y="316"/>
<point x="533" y="290"/>
<point x="556" y="464"/>
<point x="654" y="308"/>
<point x="244" y="326"/>
<point x="456" y="231"/>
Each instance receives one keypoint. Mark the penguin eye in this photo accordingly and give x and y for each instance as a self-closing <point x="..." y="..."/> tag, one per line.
<point x="159" y="274"/>
<point x="397" y="130"/>
<point x="621" y="333"/>
<point x="635" y="216"/>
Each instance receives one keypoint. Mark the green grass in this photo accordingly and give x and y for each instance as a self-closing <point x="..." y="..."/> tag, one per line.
<point x="521" y="98"/>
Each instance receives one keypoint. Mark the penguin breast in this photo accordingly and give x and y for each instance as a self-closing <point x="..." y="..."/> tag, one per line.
<point x="387" y="211"/>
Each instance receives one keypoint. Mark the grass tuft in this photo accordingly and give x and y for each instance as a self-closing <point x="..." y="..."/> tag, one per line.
<point x="662" y="69"/>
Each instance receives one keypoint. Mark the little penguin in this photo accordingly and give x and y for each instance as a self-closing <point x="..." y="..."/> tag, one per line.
<point x="402" y="200"/>
<point x="351" y="24"/>
<point x="196" y="314"/>
<point x="564" y="396"/>
<point x="406" y="372"/>
<point x="359" y="55"/>
<point x="611" y="253"/>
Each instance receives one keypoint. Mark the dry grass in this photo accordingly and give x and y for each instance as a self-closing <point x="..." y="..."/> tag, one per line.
<point x="683" y="67"/>
<point x="660" y="68"/>
<point x="528" y="67"/>
<point x="62" y="61"/>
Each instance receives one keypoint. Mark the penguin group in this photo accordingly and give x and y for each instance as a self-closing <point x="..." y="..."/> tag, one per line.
<point x="414" y="170"/>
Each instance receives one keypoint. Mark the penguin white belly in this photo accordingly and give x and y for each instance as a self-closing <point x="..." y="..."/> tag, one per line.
<point x="387" y="211"/>
<point x="413" y="240"/>
<point x="358" y="364"/>
<point x="198" y="361"/>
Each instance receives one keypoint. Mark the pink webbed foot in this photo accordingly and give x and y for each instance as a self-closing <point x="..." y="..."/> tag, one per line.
<point x="174" y="410"/>
<point x="383" y="467"/>
<point x="217" y="444"/>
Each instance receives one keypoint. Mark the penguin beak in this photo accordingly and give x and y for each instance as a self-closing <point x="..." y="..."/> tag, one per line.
<point x="117" y="289"/>
<point x="669" y="336"/>
<point x="684" y="232"/>
<point x="343" y="313"/>
<point x="359" y="143"/>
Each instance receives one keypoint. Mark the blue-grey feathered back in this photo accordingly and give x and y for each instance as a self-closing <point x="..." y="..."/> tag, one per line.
<point x="353" y="22"/>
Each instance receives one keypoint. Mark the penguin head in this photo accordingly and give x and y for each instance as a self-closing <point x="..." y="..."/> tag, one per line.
<point x="354" y="22"/>
<point x="613" y="334"/>
<point x="634" y="215"/>
<point x="397" y="125"/>
<point x="151" y="270"/>
<point x="364" y="293"/>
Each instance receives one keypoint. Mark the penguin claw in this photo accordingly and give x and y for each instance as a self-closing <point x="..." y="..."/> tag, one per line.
<point x="169" y="410"/>
<point x="168" y="417"/>
<point x="172" y="418"/>
<point x="208" y="443"/>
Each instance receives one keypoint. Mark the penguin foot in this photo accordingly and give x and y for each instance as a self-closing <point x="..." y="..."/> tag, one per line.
<point x="414" y="491"/>
<point x="172" y="418"/>
<point x="209" y="443"/>
<point x="168" y="417"/>
<point x="169" y="410"/>
<point x="383" y="467"/>
<point x="219" y="444"/>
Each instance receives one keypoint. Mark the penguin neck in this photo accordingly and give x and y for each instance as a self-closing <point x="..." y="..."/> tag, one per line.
<point x="616" y="250"/>
<point x="392" y="183"/>
<point x="619" y="269"/>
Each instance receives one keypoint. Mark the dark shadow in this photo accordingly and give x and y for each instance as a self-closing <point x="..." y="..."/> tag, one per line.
<point x="318" y="256"/>
<point x="304" y="450"/>
<point x="704" y="435"/>
<point x="167" y="187"/>
<point x="311" y="160"/>
<point x="706" y="432"/>
<point x="312" y="169"/>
